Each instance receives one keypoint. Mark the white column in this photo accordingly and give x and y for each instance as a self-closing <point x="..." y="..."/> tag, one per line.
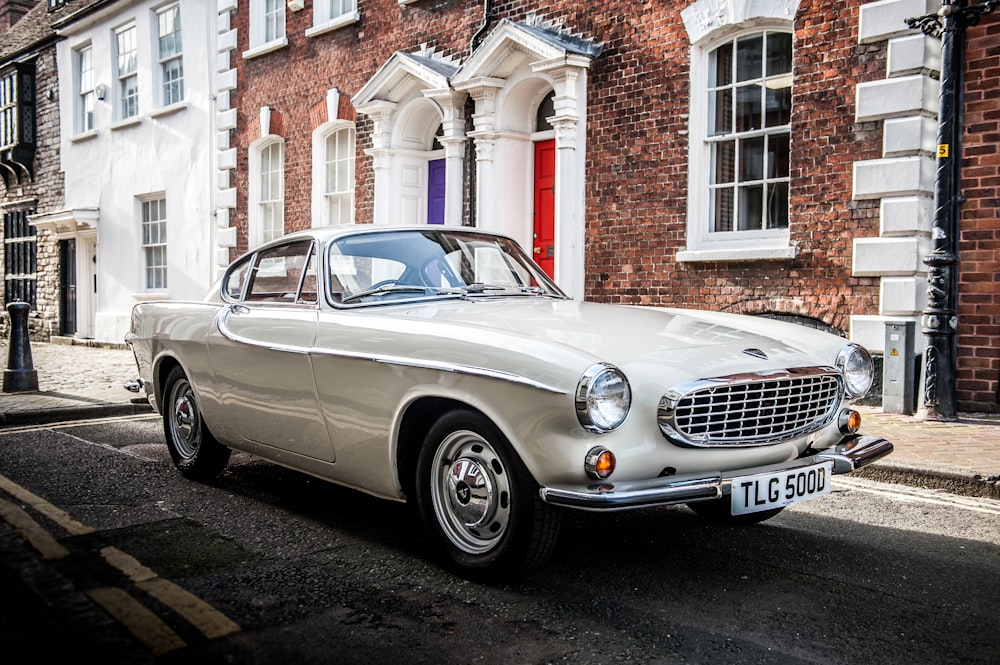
<point x="484" y="93"/>
<point x="569" y="192"/>
<point x="382" y="114"/>
<point x="453" y="125"/>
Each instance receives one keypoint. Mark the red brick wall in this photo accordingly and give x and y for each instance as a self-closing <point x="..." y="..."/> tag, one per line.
<point x="637" y="188"/>
<point x="978" y="380"/>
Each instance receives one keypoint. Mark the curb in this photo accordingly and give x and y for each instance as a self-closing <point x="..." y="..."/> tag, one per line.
<point x="956" y="482"/>
<point x="55" y="415"/>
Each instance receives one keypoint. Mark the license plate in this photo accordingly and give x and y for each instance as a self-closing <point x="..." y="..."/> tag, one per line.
<point x="764" y="491"/>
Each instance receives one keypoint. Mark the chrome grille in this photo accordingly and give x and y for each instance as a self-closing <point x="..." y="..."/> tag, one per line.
<point x="750" y="410"/>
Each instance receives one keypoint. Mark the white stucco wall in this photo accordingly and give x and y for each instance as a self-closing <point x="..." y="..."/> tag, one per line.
<point x="162" y="152"/>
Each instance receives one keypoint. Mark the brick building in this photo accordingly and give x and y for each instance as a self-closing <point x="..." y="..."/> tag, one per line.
<point x="766" y="158"/>
<point x="30" y="162"/>
<point x="979" y="249"/>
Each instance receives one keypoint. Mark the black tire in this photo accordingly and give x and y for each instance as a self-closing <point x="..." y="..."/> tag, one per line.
<point x="193" y="449"/>
<point x="479" y="502"/>
<point x="720" y="510"/>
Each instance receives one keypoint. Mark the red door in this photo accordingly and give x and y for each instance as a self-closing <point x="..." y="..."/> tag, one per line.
<point x="544" y="246"/>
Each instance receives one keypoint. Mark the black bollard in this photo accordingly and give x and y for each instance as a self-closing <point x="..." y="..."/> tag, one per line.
<point x="20" y="375"/>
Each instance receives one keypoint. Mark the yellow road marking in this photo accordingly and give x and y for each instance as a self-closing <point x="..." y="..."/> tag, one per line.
<point x="139" y="620"/>
<point x="32" y="531"/>
<point x="158" y="637"/>
<point x="211" y="622"/>
<point x="58" y="516"/>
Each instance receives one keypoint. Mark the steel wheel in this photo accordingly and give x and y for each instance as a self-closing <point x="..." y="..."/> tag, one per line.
<point x="470" y="492"/>
<point x="478" y="500"/>
<point x="184" y="419"/>
<point x="192" y="447"/>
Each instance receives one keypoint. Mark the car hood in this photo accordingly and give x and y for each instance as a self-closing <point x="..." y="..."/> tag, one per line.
<point x="695" y="343"/>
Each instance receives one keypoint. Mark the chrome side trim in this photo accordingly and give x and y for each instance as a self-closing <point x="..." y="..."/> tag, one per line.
<point x="846" y="456"/>
<point x="400" y="361"/>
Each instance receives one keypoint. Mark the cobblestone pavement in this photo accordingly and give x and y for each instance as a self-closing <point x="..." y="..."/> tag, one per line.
<point x="963" y="456"/>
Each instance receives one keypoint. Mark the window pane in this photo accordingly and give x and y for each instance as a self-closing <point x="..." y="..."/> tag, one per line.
<point x="749" y="58"/>
<point x="748" y="109"/>
<point x="720" y="67"/>
<point x="720" y="108"/>
<point x="173" y="81"/>
<point x="779" y="53"/>
<point x="777" y="156"/>
<point x="723" y="162"/>
<point x="129" y="96"/>
<point x="751" y="207"/>
<point x="274" y="20"/>
<point x="752" y="159"/>
<point x="722" y="209"/>
<point x="779" y="107"/>
<point x="126" y="51"/>
<point x="171" y="57"/>
<point x="749" y="88"/>
<point x="170" y="32"/>
<point x="154" y="242"/>
<point x="777" y="205"/>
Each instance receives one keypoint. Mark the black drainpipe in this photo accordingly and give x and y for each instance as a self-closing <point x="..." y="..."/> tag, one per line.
<point x="488" y="13"/>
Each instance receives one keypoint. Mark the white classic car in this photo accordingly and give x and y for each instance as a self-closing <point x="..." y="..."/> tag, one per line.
<point x="441" y="365"/>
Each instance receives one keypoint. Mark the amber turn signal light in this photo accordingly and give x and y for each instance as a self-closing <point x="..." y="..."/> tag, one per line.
<point x="850" y="421"/>
<point x="600" y="463"/>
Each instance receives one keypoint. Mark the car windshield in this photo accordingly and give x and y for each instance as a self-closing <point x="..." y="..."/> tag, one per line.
<point x="389" y="266"/>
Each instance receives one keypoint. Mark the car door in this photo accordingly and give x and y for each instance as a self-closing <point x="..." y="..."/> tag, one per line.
<point x="260" y="353"/>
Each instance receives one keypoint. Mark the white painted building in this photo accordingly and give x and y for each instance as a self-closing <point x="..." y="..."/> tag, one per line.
<point x="136" y="82"/>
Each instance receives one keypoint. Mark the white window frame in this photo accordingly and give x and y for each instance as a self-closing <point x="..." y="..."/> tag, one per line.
<point x="702" y="244"/>
<point x="176" y="55"/>
<point x="323" y="196"/>
<point x="130" y="72"/>
<point x="262" y="13"/>
<point x="267" y="203"/>
<point x="332" y="14"/>
<point x="153" y="237"/>
<point x="86" y="100"/>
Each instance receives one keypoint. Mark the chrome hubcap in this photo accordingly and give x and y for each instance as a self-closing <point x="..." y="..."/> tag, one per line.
<point x="470" y="491"/>
<point x="185" y="421"/>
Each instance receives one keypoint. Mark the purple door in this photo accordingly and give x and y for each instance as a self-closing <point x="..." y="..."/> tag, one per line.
<point x="435" y="191"/>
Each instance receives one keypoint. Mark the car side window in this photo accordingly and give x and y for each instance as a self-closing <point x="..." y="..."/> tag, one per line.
<point x="232" y="288"/>
<point x="280" y="272"/>
<point x="307" y="294"/>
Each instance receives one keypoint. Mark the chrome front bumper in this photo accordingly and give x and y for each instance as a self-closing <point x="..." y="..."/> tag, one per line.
<point x="846" y="456"/>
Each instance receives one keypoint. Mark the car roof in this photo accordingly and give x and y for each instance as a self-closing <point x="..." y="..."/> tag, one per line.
<point x="326" y="233"/>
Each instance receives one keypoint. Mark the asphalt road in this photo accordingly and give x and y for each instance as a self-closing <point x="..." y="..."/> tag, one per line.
<point x="267" y="565"/>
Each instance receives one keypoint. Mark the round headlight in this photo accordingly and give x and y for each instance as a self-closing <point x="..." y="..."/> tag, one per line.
<point x="858" y="370"/>
<point x="603" y="398"/>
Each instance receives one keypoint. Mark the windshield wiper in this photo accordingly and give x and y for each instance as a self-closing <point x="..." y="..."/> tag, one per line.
<point x="469" y="289"/>
<point x="383" y="290"/>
